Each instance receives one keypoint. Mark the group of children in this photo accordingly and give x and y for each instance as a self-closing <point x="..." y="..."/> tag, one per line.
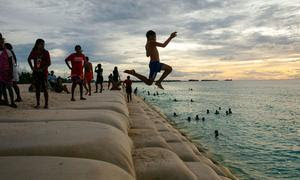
<point x="81" y="70"/>
<point x="8" y="74"/>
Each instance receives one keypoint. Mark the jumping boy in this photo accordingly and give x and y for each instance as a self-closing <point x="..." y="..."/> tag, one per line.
<point x="154" y="65"/>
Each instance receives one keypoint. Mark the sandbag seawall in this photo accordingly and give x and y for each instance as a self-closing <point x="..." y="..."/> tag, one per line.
<point x="162" y="152"/>
<point x="71" y="140"/>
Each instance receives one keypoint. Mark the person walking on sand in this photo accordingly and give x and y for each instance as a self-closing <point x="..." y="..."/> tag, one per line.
<point x="128" y="84"/>
<point x="77" y="61"/>
<point x="6" y="73"/>
<point x="99" y="79"/>
<point x="41" y="61"/>
<point x="88" y="76"/>
<point x="15" y="73"/>
<point x="154" y="65"/>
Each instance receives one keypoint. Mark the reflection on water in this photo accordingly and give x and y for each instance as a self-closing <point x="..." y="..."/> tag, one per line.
<point x="259" y="140"/>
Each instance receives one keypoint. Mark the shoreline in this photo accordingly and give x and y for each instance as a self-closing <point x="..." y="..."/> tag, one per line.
<point x="205" y="152"/>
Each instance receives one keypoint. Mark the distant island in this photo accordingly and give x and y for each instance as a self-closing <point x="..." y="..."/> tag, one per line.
<point x="228" y="80"/>
<point x="193" y="80"/>
<point x="209" y="80"/>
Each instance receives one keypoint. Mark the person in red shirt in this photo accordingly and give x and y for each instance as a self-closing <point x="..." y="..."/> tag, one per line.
<point x="6" y="74"/>
<point x="128" y="84"/>
<point x="41" y="61"/>
<point x="77" y="61"/>
<point x="88" y="76"/>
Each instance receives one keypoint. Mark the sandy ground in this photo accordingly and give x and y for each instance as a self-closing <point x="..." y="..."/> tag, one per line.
<point x="55" y="99"/>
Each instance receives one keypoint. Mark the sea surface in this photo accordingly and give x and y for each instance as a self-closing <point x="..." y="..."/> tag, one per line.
<point x="259" y="140"/>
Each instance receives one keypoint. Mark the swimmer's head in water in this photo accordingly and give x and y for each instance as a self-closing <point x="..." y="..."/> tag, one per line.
<point x="216" y="133"/>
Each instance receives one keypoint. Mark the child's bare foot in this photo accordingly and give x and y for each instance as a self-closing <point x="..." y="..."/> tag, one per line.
<point x="82" y="98"/>
<point x="72" y="99"/>
<point x="132" y="72"/>
<point x="46" y="106"/>
<point x="158" y="84"/>
<point x="37" y="106"/>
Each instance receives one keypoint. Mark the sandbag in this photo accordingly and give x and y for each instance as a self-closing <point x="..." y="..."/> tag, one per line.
<point x="142" y="122"/>
<point x="67" y="139"/>
<point x="202" y="171"/>
<point x="160" y="126"/>
<point x="109" y="117"/>
<point x="89" y="105"/>
<point x="147" y="138"/>
<point x="184" y="151"/>
<point x="58" y="168"/>
<point x="160" y="164"/>
<point x="171" y="136"/>
<point x="212" y="165"/>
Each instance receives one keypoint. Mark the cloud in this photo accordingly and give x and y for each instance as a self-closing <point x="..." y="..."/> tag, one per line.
<point x="113" y="31"/>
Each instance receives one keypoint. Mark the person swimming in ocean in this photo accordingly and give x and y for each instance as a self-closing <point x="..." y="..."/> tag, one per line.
<point x="155" y="65"/>
<point x="197" y="118"/>
<point x="189" y="119"/>
<point x="216" y="134"/>
<point x="174" y="114"/>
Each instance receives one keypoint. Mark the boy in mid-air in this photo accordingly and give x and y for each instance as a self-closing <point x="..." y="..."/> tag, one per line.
<point x="154" y="65"/>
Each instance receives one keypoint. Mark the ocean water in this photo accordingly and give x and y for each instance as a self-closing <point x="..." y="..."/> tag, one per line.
<point x="259" y="140"/>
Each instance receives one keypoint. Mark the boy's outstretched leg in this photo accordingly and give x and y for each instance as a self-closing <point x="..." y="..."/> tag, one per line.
<point x="168" y="70"/>
<point x="140" y="77"/>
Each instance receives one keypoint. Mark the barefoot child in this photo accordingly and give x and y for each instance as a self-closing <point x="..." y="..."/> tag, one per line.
<point x="99" y="80"/>
<point x="88" y="76"/>
<point x="77" y="60"/>
<point x="154" y="65"/>
<point x="41" y="61"/>
<point x="128" y="84"/>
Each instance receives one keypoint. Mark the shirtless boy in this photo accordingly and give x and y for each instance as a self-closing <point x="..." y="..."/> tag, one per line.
<point x="154" y="65"/>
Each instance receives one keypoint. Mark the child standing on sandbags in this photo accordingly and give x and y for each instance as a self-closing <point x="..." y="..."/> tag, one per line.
<point x="6" y="73"/>
<point x="77" y="60"/>
<point x="154" y="65"/>
<point x="128" y="88"/>
<point x="41" y="61"/>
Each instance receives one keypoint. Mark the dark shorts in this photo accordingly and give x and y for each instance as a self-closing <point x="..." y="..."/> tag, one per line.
<point x="99" y="79"/>
<point x="40" y="79"/>
<point x="155" y="67"/>
<point x="76" y="79"/>
<point x="129" y="90"/>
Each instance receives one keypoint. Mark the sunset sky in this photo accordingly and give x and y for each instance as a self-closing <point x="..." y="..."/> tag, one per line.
<point x="217" y="39"/>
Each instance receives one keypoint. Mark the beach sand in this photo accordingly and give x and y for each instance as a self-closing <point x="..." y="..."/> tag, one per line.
<point x="103" y="137"/>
